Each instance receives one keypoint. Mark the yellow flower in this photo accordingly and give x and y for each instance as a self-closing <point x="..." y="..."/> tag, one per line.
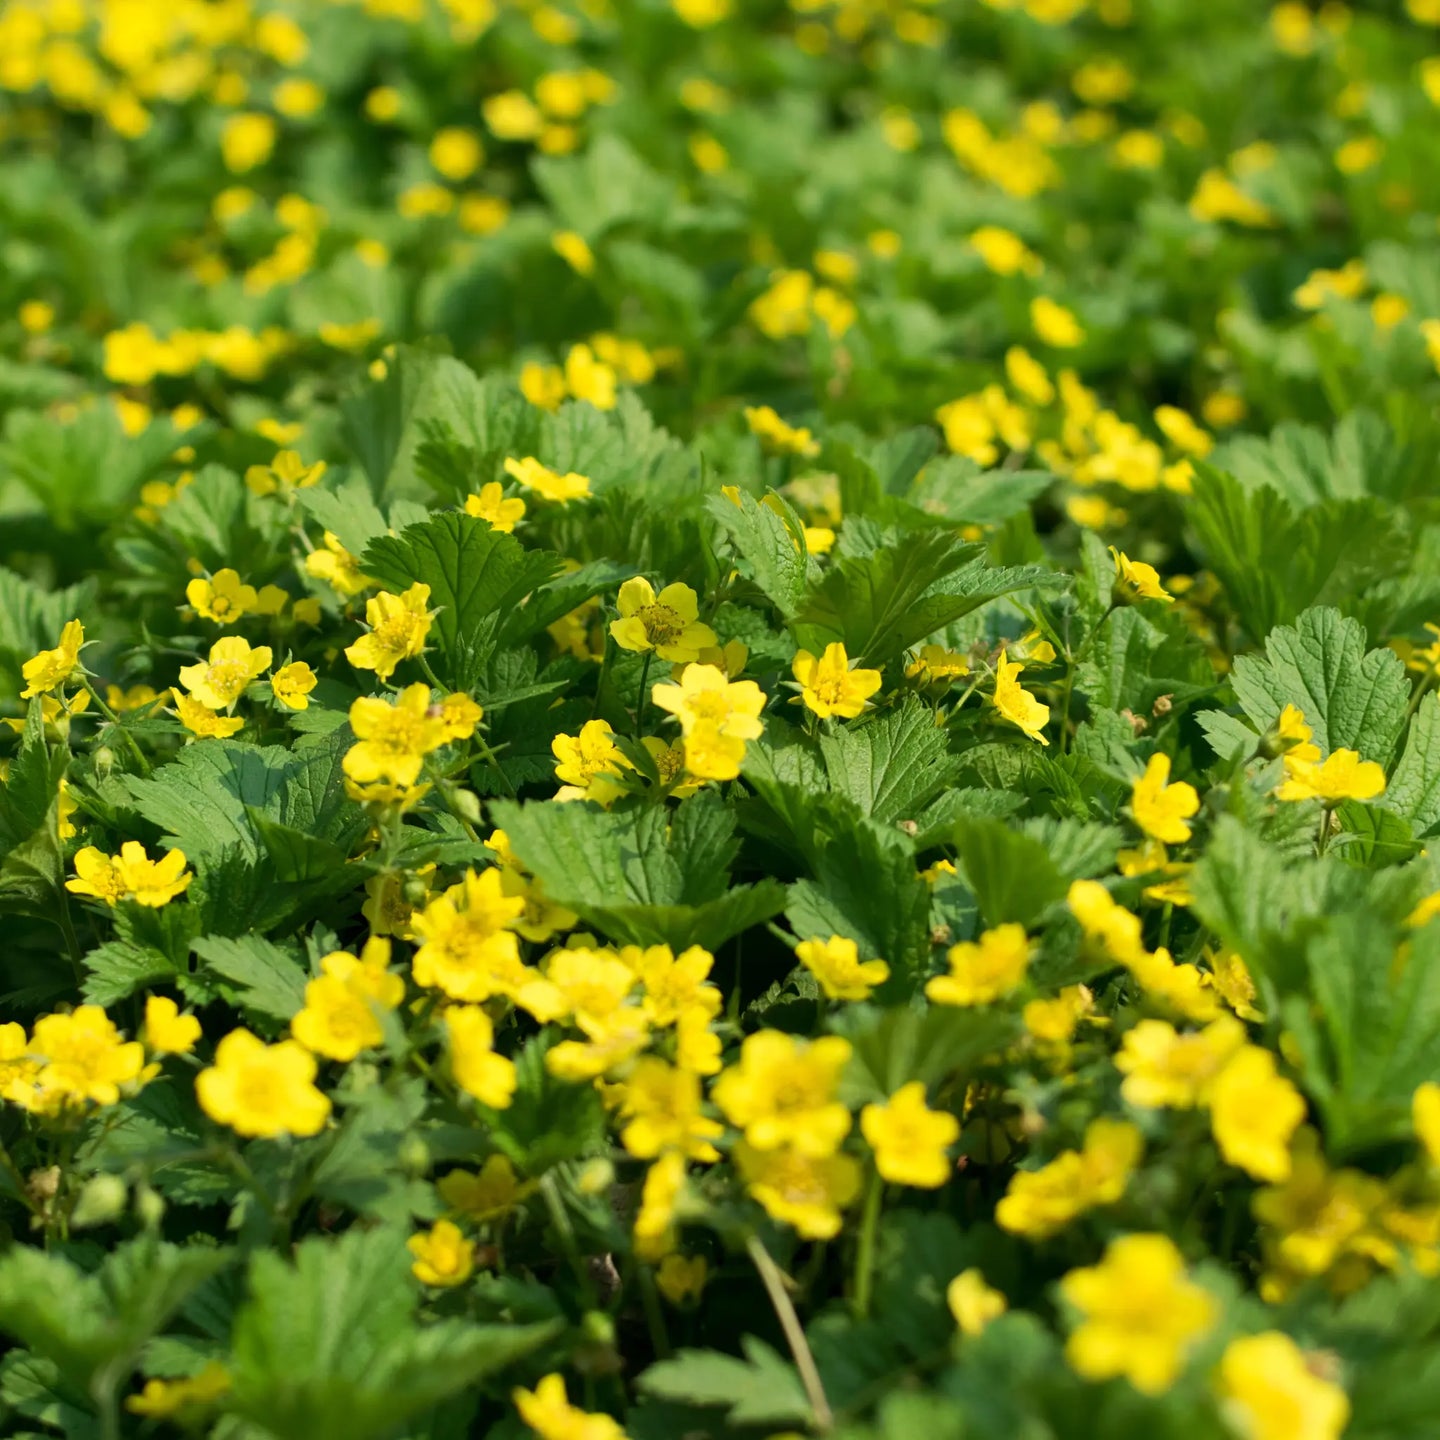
<point x="152" y="883"/>
<point x="292" y="685"/>
<point x="935" y="665"/>
<point x="337" y="567"/>
<point x="589" y="756"/>
<point x="1054" y="324"/>
<point x="202" y="721"/>
<point x="1269" y="1392"/>
<point x="764" y="422"/>
<point x="836" y="965"/>
<point x="1343" y="776"/>
<point x="459" y="715"/>
<point x="1040" y="1202"/>
<point x="666" y="623"/>
<point x="800" y="1189"/>
<point x="52" y="668"/>
<point x="456" y="152"/>
<point x="392" y="740"/>
<point x="1054" y="1021"/>
<point x="221" y="680"/>
<point x="1028" y="376"/>
<point x="262" y="1090"/>
<point x="661" y="1105"/>
<point x="673" y="984"/>
<point x="478" y="1070"/>
<point x="829" y="686"/>
<point x="443" y="1256"/>
<point x="1162" y="1067"/>
<point x="344" y="1003"/>
<point x="706" y="699"/>
<point x="1159" y="808"/>
<point x="137" y="697"/>
<point x="222" y="598"/>
<point x="1254" y="1112"/>
<point x="164" y="1399"/>
<point x="547" y="1412"/>
<point x="546" y="483"/>
<point x="247" y="140"/>
<point x="490" y="504"/>
<point x="167" y="1031"/>
<point x="485" y="1196"/>
<point x="96" y="875"/>
<point x="1004" y="252"/>
<point x="1425" y="1108"/>
<point x="1140" y="1314"/>
<point x="286" y="472"/>
<point x="572" y="248"/>
<point x="398" y="627"/>
<point x="1135" y="580"/>
<point x="1233" y="983"/>
<point x="466" y="947"/>
<point x="1182" y="432"/>
<point x="1016" y="705"/>
<point x="681" y="1278"/>
<point x="781" y="1092"/>
<point x="973" y="1303"/>
<point x="1102" y="919"/>
<point x="909" y="1139"/>
<point x="84" y="1059"/>
<point x="654" y="1228"/>
<point x="985" y="970"/>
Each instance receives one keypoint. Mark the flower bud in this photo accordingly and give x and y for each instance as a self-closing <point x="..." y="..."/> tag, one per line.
<point x="101" y="1201"/>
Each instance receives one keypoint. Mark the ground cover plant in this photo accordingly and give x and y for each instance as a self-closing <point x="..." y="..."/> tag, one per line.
<point x="721" y="720"/>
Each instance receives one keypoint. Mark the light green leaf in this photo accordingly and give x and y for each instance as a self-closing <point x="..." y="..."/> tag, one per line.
<point x="1352" y="700"/>
<point x="891" y="766"/>
<point x="761" y="1389"/>
<point x="1414" y="789"/>
<point x="263" y="977"/>
<point x="771" y="539"/>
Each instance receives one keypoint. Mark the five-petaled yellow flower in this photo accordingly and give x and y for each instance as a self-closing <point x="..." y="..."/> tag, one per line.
<point x="829" y="686"/>
<point x="490" y="504"/>
<point x="443" y="1256"/>
<point x="973" y="1303"/>
<point x="1016" y="705"/>
<point x="223" y="598"/>
<point x="666" y="623"/>
<point x="292" y="685"/>
<point x="262" y="1090"/>
<point x="52" y="668"/>
<point x="218" y="682"/>
<point x="983" y="970"/>
<point x="1343" y="776"/>
<point x="547" y="483"/>
<point x="1269" y="1391"/>
<point x="1161" y="809"/>
<point x="398" y="627"/>
<point x="836" y="965"/>
<point x="131" y="875"/>
<point x="550" y="1415"/>
<point x="167" y="1031"/>
<point x="781" y="1092"/>
<point x="1135" y="580"/>
<point x="1140" y="1314"/>
<point x="910" y="1139"/>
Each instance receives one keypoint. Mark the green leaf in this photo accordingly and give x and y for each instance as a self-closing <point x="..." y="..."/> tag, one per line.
<point x="1414" y="789"/>
<point x="893" y="1047"/>
<point x="263" y="978"/>
<point x="119" y="968"/>
<point x="477" y="577"/>
<point x="761" y="1389"/>
<point x="882" y="603"/>
<point x="548" y="1121"/>
<point x="1274" y="562"/>
<point x="865" y="887"/>
<point x="1352" y="700"/>
<point x="1012" y="874"/>
<point x="31" y="619"/>
<point x="638" y="876"/>
<point x="327" y="1347"/>
<point x="92" y="1326"/>
<point x="891" y="766"/>
<point x="771" y="539"/>
<point x="346" y="509"/>
<point x="956" y="489"/>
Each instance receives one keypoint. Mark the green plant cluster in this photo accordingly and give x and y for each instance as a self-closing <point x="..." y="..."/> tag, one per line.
<point x="721" y="719"/>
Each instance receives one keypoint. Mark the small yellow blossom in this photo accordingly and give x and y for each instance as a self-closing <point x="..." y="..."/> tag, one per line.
<point x="480" y="1072"/>
<point x="1162" y="1067"/>
<point x="681" y="1278"/>
<point x="1343" y="776"/>
<point x="667" y="623"/>
<point x="1140" y="1314"/>
<point x="220" y="680"/>
<point x="1268" y="1391"/>
<point x="223" y="598"/>
<point x="830" y="686"/>
<point x="984" y="970"/>
<point x="973" y="1303"/>
<point x="286" y="472"/>
<point x="909" y="1139"/>
<point x="836" y="965"/>
<point x="1041" y="1202"/>
<point x="398" y="627"/>
<point x="1425" y="1109"/>
<point x="50" y="669"/>
<point x="781" y="1092"/>
<point x="490" y="504"/>
<point x="1017" y="705"/>
<point x="787" y="439"/>
<point x="1254" y="1112"/>
<point x="571" y="246"/>
<point x="1161" y="809"/>
<point x="546" y="483"/>
<point x="167" y="1031"/>
<point x="547" y="1412"/>
<point x="799" y="1189"/>
<point x="1054" y="324"/>
<point x="443" y="1256"/>
<point x="1135" y="580"/>
<point x="292" y="685"/>
<point x="202" y="721"/>
<point x="335" y="565"/>
<point x="165" y="1399"/>
<point x="262" y="1090"/>
<point x="487" y="1195"/>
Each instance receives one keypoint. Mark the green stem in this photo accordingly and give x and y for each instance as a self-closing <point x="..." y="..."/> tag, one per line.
<point x="1323" y="838"/>
<point x="1421" y="690"/>
<point x="865" y="1253"/>
<point x="654" y="1316"/>
<point x="1075" y="661"/>
<point x="114" y="720"/>
<point x="600" y="677"/>
<point x="773" y="1279"/>
<point x="642" y="696"/>
<point x="565" y="1231"/>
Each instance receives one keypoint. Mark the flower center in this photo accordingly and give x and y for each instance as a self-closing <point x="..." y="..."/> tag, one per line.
<point x="662" y="624"/>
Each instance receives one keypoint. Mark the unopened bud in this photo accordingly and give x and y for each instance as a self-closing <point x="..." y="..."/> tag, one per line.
<point x="414" y="1155"/>
<point x="101" y="1201"/>
<point x="149" y="1207"/>
<point x="467" y="802"/>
